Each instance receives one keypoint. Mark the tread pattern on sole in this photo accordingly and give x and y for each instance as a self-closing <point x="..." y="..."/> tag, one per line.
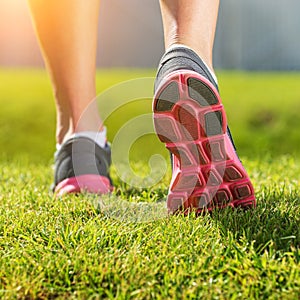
<point x="207" y="173"/>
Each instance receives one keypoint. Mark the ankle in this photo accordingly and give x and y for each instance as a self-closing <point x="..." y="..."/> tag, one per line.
<point x="202" y="52"/>
<point x="98" y="137"/>
<point x="62" y="134"/>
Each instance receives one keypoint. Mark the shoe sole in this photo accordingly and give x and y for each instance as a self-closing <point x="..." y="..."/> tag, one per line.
<point x="94" y="184"/>
<point x="207" y="173"/>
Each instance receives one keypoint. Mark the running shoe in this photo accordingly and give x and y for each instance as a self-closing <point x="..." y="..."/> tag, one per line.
<point x="190" y="119"/>
<point x="82" y="166"/>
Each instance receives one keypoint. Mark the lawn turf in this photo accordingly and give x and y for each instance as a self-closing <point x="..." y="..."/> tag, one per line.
<point x="69" y="248"/>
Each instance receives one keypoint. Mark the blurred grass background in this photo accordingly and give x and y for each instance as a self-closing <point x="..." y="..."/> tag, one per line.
<point x="263" y="112"/>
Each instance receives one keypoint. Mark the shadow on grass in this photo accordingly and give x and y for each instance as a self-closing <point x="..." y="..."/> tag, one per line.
<point x="274" y="220"/>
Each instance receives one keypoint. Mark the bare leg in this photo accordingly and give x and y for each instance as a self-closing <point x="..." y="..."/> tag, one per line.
<point x="192" y="23"/>
<point x="67" y="32"/>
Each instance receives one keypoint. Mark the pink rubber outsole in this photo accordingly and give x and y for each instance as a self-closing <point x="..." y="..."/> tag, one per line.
<point x="89" y="183"/>
<point x="207" y="173"/>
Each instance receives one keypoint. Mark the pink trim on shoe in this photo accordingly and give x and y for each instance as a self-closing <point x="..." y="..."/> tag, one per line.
<point x="190" y="119"/>
<point x="89" y="183"/>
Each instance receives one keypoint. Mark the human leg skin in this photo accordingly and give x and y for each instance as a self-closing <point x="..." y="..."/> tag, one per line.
<point x="189" y="116"/>
<point x="67" y="33"/>
<point x="191" y="23"/>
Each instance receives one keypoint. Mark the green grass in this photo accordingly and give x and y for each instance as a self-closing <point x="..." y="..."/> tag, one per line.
<point x="69" y="249"/>
<point x="263" y="110"/>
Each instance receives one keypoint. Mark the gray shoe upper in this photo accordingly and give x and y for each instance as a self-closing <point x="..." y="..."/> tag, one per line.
<point x="179" y="58"/>
<point x="81" y="156"/>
